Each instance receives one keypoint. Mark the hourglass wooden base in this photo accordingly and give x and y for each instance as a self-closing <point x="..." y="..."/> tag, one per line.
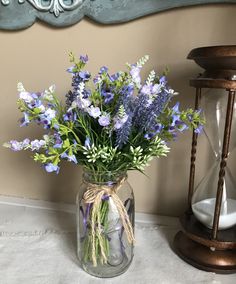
<point x="202" y="257"/>
<point x="195" y="246"/>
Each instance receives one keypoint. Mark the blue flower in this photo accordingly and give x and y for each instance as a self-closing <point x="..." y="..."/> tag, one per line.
<point x="87" y="142"/>
<point x="175" y="108"/>
<point x="108" y="96"/>
<point x="103" y="69"/>
<point x="128" y="90"/>
<point x="114" y="77"/>
<point x="104" y="119"/>
<point x="70" y="116"/>
<point x="157" y="129"/>
<point x="25" y="120"/>
<point x="97" y="79"/>
<point x="163" y="80"/>
<point x="182" y="127"/>
<point x="175" y="119"/>
<point x="51" y="168"/>
<point x="85" y="75"/>
<point x="47" y="117"/>
<point x="71" y="69"/>
<point x="199" y="129"/>
<point x="149" y="135"/>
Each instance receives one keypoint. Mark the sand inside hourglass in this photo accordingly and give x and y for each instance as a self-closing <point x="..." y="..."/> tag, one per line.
<point x="204" y="212"/>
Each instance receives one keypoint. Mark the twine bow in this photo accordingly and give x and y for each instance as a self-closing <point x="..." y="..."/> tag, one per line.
<point x="94" y="195"/>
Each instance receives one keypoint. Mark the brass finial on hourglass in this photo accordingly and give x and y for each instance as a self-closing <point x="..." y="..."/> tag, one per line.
<point x="208" y="239"/>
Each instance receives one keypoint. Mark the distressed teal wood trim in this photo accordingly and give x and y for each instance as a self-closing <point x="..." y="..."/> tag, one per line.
<point x="19" y="14"/>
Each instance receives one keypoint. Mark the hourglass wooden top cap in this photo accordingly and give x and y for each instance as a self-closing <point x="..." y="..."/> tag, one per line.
<point x="215" y="57"/>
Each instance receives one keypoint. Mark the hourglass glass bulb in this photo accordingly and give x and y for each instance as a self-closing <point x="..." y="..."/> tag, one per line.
<point x="204" y="211"/>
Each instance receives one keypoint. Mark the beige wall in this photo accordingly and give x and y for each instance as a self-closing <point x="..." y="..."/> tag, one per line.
<point x="38" y="57"/>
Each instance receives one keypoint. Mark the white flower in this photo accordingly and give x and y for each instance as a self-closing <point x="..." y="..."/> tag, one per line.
<point x="48" y="93"/>
<point x="26" y="97"/>
<point x="20" y="87"/>
<point x="50" y="113"/>
<point x="94" y="111"/>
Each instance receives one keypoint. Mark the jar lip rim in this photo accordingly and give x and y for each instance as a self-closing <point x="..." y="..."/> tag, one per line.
<point x="104" y="172"/>
<point x="112" y="177"/>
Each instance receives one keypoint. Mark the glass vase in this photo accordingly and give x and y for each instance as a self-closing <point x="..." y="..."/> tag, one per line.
<point x="105" y="223"/>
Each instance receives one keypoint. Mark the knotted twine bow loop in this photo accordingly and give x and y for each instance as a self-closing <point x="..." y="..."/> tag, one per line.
<point x="94" y="195"/>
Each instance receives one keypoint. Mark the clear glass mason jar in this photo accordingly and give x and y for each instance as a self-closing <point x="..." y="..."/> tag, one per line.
<point x="103" y="245"/>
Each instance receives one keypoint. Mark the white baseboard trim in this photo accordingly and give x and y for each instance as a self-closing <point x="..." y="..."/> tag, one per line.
<point x="37" y="204"/>
<point x="143" y="218"/>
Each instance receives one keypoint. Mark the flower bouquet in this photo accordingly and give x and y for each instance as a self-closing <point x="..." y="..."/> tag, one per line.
<point x="109" y="124"/>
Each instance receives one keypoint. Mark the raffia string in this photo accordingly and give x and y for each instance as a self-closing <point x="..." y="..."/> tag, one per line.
<point x="94" y="195"/>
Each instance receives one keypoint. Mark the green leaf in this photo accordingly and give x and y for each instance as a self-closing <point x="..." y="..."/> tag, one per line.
<point x="66" y="143"/>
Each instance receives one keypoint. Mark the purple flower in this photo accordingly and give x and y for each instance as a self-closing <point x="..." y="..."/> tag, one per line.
<point x="94" y="111"/>
<point x="51" y="168"/>
<point x="25" y="142"/>
<point x="71" y="158"/>
<point x="84" y="58"/>
<point x="37" y="144"/>
<point x="146" y="89"/>
<point x="122" y="133"/>
<point x="16" y="145"/>
<point x="148" y="118"/>
<point x="135" y="74"/>
<point x="104" y="119"/>
<point x="58" y="141"/>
